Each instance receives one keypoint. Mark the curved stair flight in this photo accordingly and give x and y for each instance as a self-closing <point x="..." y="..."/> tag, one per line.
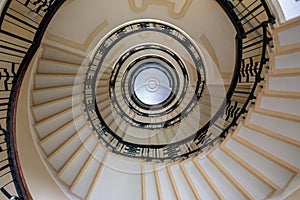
<point x="258" y="160"/>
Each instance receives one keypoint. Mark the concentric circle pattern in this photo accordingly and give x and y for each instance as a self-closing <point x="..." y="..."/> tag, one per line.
<point x="170" y="65"/>
<point x="146" y="90"/>
<point x="152" y="84"/>
<point x="113" y="86"/>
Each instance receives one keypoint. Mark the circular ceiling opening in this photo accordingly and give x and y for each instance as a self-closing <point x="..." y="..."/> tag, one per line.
<point x="152" y="83"/>
<point x="146" y="77"/>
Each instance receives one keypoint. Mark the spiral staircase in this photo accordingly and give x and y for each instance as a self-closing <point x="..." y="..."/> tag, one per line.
<point x="75" y="123"/>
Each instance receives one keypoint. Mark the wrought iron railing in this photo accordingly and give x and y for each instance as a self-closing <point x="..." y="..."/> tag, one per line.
<point x="22" y="25"/>
<point x="250" y="19"/>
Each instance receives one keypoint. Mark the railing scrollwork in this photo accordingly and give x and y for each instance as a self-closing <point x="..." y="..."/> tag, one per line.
<point x="22" y="34"/>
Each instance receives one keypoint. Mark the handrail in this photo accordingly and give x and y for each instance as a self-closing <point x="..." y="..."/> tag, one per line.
<point x="17" y="49"/>
<point x="250" y="21"/>
<point x="21" y="36"/>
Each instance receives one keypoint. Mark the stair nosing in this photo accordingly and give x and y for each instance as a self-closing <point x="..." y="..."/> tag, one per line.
<point x="207" y="178"/>
<point x="69" y="161"/>
<point x="250" y="169"/>
<point x="55" y="101"/>
<point x="99" y="171"/>
<point x="191" y="184"/>
<point x="39" y="123"/>
<point x="266" y="154"/>
<point x="49" y="60"/>
<point x="230" y="178"/>
<point x="65" y="143"/>
<point x="54" y="88"/>
<point x="60" y="129"/>
<point x="83" y="169"/>
<point x="272" y="134"/>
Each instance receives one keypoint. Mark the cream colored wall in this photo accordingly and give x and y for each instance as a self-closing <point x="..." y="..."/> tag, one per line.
<point x="83" y="30"/>
<point x="36" y="175"/>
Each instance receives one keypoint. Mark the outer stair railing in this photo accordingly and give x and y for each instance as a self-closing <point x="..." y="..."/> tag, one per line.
<point x="22" y="25"/>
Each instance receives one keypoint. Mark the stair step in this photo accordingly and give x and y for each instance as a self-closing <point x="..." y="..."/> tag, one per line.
<point x="87" y="176"/>
<point x="124" y="176"/>
<point x="281" y="105"/>
<point x="207" y="109"/>
<point x="56" y="80"/>
<point x="284" y="83"/>
<point x="45" y="95"/>
<point x="103" y="82"/>
<point x="184" y="189"/>
<point x="136" y="135"/>
<point x="66" y="150"/>
<point x="217" y="90"/>
<point x="63" y="55"/>
<point x="174" y="186"/>
<point x="224" y="186"/>
<point x="187" y="127"/>
<point x="118" y="126"/>
<point x="276" y="173"/>
<point x="48" y="109"/>
<point x="286" y="61"/>
<point x="72" y="168"/>
<point x="169" y="135"/>
<point x="102" y="97"/>
<point x="189" y="181"/>
<point x="150" y="188"/>
<point x="106" y="112"/>
<point x="286" y="152"/>
<point x="202" y="187"/>
<point x="50" y="124"/>
<point x="282" y="94"/>
<point x="173" y="134"/>
<point x="251" y="184"/>
<point x="104" y="104"/>
<point x="57" y="67"/>
<point x="229" y="177"/>
<point x="199" y="116"/>
<point x="276" y="125"/>
<point x="61" y="135"/>
<point x="116" y="123"/>
<point x="164" y="183"/>
<point x="103" y="158"/>
<point x="102" y="90"/>
<point x="152" y="137"/>
<point x="287" y="35"/>
<point x="211" y="103"/>
<point x="161" y="137"/>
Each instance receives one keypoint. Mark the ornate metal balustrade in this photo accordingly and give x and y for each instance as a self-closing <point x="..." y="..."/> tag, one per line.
<point x="250" y="19"/>
<point x="22" y="25"/>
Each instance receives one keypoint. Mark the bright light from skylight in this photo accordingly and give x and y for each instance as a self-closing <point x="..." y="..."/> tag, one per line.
<point x="291" y="8"/>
